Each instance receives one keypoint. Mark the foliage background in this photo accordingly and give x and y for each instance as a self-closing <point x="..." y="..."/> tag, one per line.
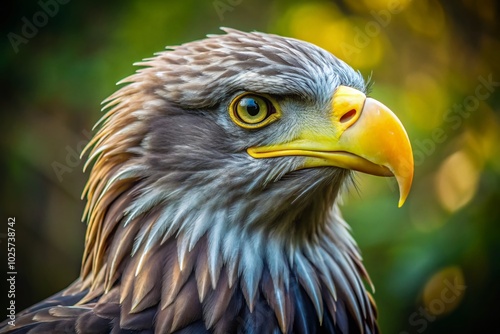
<point x="426" y="61"/>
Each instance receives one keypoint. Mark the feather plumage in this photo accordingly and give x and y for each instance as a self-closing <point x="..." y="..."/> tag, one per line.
<point x="186" y="232"/>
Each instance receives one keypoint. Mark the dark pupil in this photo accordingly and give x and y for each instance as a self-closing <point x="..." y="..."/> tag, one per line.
<point x="251" y="106"/>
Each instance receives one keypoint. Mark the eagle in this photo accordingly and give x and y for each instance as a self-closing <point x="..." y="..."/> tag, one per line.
<point x="213" y="198"/>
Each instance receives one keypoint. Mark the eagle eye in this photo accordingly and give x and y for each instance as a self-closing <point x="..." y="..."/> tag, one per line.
<point x="252" y="111"/>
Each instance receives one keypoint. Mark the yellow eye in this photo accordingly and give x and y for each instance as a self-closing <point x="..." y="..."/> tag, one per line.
<point x="253" y="111"/>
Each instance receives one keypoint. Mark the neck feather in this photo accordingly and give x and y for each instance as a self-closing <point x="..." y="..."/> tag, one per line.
<point x="131" y="233"/>
<point x="153" y="243"/>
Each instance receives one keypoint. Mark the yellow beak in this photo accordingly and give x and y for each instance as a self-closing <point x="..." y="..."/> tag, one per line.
<point x="362" y="135"/>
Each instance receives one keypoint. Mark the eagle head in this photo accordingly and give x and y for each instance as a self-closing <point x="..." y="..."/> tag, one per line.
<point x="213" y="196"/>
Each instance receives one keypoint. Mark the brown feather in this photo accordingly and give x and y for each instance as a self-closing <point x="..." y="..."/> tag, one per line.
<point x="278" y="299"/>
<point x="217" y="301"/>
<point x="202" y="273"/>
<point x="173" y="278"/>
<point x="147" y="287"/>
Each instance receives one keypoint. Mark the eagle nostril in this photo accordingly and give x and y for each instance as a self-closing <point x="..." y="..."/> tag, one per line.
<point x="347" y="116"/>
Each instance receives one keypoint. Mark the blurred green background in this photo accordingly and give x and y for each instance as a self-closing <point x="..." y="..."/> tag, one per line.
<point x="435" y="63"/>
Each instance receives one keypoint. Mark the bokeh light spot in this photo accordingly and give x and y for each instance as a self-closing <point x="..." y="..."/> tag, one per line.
<point x="427" y="18"/>
<point x="444" y="291"/>
<point x="457" y="181"/>
<point x="359" y="42"/>
<point x="366" y="5"/>
<point x="426" y="99"/>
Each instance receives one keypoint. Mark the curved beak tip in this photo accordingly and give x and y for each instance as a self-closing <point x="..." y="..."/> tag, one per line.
<point x="402" y="199"/>
<point x="389" y="144"/>
<point x="404" y="177"/>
